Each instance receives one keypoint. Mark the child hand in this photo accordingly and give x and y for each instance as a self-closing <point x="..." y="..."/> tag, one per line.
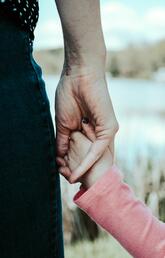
<point x="79" y="146"/>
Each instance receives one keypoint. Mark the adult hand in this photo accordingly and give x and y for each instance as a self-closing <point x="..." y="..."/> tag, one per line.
<point x="82" y="90"/>
<point x="83" y="93"/>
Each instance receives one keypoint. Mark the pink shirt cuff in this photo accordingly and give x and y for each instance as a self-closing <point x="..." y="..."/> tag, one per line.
<point x="84" y="197"/>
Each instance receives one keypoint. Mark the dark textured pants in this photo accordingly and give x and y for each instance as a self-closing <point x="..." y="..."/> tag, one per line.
<point x="30" y="201"/>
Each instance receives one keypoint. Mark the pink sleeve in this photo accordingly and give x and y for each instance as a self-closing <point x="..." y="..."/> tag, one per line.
<point x="112" y="204"/>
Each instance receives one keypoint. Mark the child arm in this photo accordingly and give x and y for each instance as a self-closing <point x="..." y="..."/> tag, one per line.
<point x="112" y="204"/>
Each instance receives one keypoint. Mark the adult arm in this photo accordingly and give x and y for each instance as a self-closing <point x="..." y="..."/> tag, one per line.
<point x="82" y="90"/>
<point x="112" y="204"/>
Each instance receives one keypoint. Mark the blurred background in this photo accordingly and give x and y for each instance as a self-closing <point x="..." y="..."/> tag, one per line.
<point x="135" y="39"/>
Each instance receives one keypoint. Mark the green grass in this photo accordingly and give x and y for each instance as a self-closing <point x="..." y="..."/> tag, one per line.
<point x="105" y="247"/>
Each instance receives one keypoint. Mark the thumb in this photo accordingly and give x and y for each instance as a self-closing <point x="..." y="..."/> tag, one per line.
<point x="95" y="152"/>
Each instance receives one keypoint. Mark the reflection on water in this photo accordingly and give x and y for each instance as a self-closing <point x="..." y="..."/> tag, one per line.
<point x="140" y="109"/>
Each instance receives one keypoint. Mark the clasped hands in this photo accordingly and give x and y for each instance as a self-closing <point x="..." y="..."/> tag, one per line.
<point x="82" y="146"/>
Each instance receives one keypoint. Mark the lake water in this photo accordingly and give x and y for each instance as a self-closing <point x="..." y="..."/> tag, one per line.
<point x="140" y="109"/>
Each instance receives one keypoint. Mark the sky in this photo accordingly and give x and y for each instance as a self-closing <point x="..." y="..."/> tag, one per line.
<point x="124" y="22"/>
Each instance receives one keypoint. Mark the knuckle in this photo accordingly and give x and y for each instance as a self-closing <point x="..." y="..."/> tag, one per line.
<point x="62" y="144"/>
<point x="113" y="129"/>
<point x="61" y="151"/>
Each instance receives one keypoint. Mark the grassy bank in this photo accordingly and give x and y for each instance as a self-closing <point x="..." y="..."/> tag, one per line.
<point x="105" y="247"/>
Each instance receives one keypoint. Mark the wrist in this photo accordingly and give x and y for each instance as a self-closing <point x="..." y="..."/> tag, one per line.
<point x="84" y="61"/>
<point x="93" y="176"/>
<point x="97" y="171"/>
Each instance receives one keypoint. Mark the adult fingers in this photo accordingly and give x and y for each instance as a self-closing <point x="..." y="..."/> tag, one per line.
<point x="62" y="147"/>
<point x="62" y="140"/>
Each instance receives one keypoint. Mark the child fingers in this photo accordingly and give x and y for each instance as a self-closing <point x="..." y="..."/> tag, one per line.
<point x="61" y="162"/>
<point x="65" y="171"/>
<point x="63" y="167"/>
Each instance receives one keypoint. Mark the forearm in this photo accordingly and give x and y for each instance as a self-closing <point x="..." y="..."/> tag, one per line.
<point x="124" y="216"/>
<point x="82" y="31"/>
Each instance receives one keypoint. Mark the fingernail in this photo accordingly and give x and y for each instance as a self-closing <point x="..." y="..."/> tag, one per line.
<point x="85" y="120"/>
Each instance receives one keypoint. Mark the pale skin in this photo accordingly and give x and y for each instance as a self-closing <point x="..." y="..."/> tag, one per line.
<point x="80" y="143"/>
<point x="82" y="89"/>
